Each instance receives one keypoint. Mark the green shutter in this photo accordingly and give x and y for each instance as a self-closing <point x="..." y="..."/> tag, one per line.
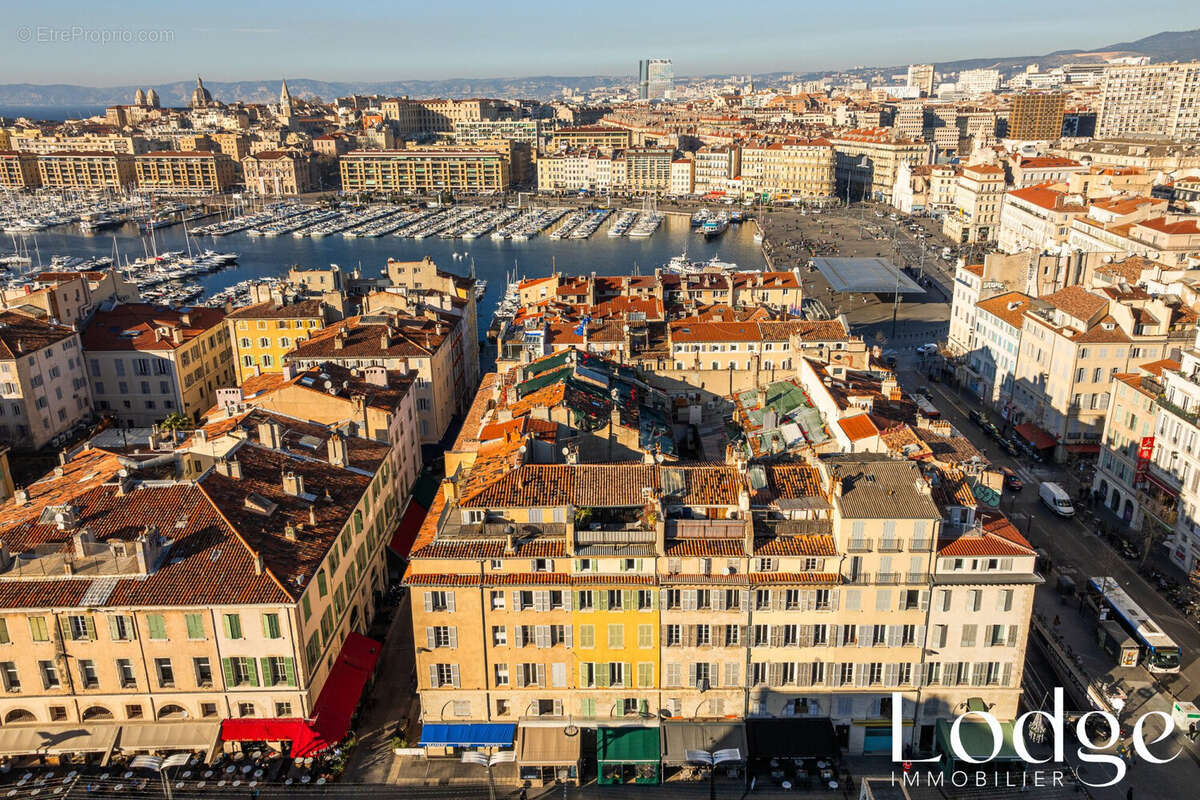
<point x="91" y="628"/>
<point x="630" y="682"/>
<point x="602" y="600"/>
<point x="306" y="604"/>
<point x="270" y="625"/>
<point x="265" y="664"/>
<point x="602" y="676"/>
<point x="4" y="632"/>
<point x="195" y="626"/>
<point x="156" y="626"/>
<point x="252" y="671"/>
<point x="113" y="631"/>
<point x="227" y="668"/>
<point x="64" y="628"/>
<point x="233" y="626"/>
<point x="627" y="599"/>
<point x="289" y="669"/>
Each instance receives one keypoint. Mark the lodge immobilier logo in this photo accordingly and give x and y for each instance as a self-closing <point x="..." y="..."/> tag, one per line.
<point x="1089" y="751"/>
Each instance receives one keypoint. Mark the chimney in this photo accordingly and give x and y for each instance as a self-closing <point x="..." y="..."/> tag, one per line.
<point x="258" y="561"/>
<point x="337" y="450"/>
<point x="312" y="515"/>
<point x="289" y="371"/>
<point x="339" y="341"/>
<point x="21" y="497"/>
<point x="230" y="468"/>
<point x="270" y="434"/>
<point x="289" y="532"/>
<point x="185" y="319"/>
<point x="293" y="484"/>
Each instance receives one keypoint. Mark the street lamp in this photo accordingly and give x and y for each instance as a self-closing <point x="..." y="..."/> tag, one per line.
<point x="487" y="762"/>
<point x="712" y="759"/>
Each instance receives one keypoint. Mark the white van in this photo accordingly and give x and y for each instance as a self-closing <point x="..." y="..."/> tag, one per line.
<point x="1056" y="499"/>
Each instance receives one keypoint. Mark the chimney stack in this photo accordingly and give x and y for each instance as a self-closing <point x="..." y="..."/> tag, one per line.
<point x="293" y="484"/>
<point x="338" y="455"/>
<point x="270" y="434"/>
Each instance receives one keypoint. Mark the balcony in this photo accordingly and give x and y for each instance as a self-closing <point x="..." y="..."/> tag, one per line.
<point x="888" y="578"/>
<point x="916" y="577"/>
<point x="920" y="545"/>
<point x="859" y="546"/>
<point x="1187" y="416"/>
<point x="859" y="579"/>
<point x="890" y="546"/>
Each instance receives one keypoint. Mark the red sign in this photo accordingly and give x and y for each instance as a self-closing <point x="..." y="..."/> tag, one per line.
<point x="1145" y="453"/>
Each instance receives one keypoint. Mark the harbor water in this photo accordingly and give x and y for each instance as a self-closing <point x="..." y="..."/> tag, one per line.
<point x="263" y="257"/>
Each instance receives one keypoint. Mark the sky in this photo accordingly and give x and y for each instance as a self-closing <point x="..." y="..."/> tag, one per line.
<point x="136" y="41"/>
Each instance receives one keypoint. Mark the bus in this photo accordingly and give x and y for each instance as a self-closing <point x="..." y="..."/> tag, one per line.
<point x="1159" y="653"/>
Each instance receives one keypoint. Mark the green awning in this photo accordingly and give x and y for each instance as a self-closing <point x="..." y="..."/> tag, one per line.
<point x="627" y="745"/>
<point x="977" y="740"/>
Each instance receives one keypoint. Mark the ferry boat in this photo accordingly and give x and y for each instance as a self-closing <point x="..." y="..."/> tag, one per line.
<point x="712" y="228"/>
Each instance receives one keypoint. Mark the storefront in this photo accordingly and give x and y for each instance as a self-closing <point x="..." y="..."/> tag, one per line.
<point x="680" y="736"/>
<point x="453" y="735"/>
<point x="547" y="755"/>
<point x="978" y="742"/>
<point x="627" y="755"/>
<point x="798" y="752"/>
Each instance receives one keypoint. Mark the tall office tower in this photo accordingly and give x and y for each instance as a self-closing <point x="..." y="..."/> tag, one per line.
<point x="920" y="76"/>
<point x="1036" y="115"/>
<point x="1150" y="100"/>
<point x="655" y="78"/>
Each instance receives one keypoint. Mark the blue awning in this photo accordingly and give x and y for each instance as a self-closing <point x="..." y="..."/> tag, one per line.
<point x="480" y="734"/>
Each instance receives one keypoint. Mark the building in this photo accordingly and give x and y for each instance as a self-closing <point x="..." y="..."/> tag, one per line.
<point x="978" y="81"/>
<point x="656" y="79"/>
<point x="68" y="298"/>
<point x="87" y="170"/>
<point x="147" y="363"/>
<point x="797" y="168"/>
<point x="977" y="203"/>
<point x="1122" y="482"/>
<point x="991" y="364"/>
<point x="648" y="169"/>
<point x="263" y="333"/>
<point x="39" y="143"/>
<point x="1037" y="116"/>
<point x="278" y="172"/>
<point x="1033" y="170"/>
<point x="1150" y="101"/>
<point x="920" y="77"/>
<point x="693" y="592"/>
<point x="18" y="170"/>
<point x="605" y="138"/>
<point x="426" y="170"/>
<point x="525" y="131"/>
<point x="441" y="115"/>
<point x="1037" y="218"/>
<point x="237" y="593"/>
<point x="683" y="182"/>
<point x="430" y="345"/>
<point x="867" y="160"/>
<point x="185" y="172"/>
<point x="43" y="386"/>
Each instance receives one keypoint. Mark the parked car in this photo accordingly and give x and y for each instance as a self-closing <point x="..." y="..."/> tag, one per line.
<point x="928" y="349"/>
<point x="1012" y="481"/>
<point x="1010" y="447"/>
<point x="976" y="416"/>
<point x="991" y="430"/>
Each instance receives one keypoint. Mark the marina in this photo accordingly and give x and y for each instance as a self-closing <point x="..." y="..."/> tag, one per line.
<point x="261" y="258"/>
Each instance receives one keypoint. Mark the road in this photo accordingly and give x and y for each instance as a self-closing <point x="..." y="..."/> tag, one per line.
<point x="1073" y="548"/>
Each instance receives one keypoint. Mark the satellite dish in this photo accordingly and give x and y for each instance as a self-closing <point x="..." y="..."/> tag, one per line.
<point x="566" y="451"/>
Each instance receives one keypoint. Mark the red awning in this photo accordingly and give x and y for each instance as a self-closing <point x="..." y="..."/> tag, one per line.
<point x="1083" y="449"/>
<point x="342" y="690"/>
<point x="331" y="713"/>
<point x="284" y="729"/>
<point x="406" y="531"/>
<point x="1161" y="484"/>
<point x="1036" y="436"/>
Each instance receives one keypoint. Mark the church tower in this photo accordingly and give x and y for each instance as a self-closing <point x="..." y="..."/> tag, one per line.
<point x="285" y="102"/>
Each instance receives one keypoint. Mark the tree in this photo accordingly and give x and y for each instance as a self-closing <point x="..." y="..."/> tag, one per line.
<point x="177" y="422"/>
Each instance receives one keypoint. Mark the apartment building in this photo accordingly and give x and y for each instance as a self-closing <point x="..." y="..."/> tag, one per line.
<point x="147" y="362"/>
<point x="1036" y="116"/>
<point x="429" y="345"/>
<point x="867" y="160"/>
<point x="424" y="170"/>
<point x="622" y="594"/>
<point x="601" y="137"/>
<point x="1029" y="171"/>
<point x="87" y="170"/>
<point x="1121" y="481"/>
<point x="978" y="199"/>
<point x="1150" y="101"/>
<point x="235" y="596"/>
<point x="581" y="170"/>
<point x="683" y="182"/>
<point x="185" y="172"/>
<point x="716" y="166"/>
<point x="277" y="172"/>
<point x="38" y="143"/>
<point x="440" y="115"/>
<point x="263" y="333"/>
<point x="1037" y="218"/>
<point x="525" y="131"/>
<point x="991" y="361"/>
<point x="920" y="76"/>
<point x="18" y="170"/>
<point x="648" y="169"/>
<point x="797" y="168"/>
<point x="70" y="297"/>
<point x="43" y="386"/>
<point x="1073" y="341"/>
<point x="925" y="187"/>
<point x="1126" y="226"/>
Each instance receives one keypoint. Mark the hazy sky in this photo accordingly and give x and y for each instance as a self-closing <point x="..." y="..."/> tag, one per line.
<point x="136" y="41"/>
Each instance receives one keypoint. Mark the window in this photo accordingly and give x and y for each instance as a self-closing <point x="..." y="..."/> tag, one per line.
<point x="195" y="625"/>
<point x="120" y="627"/>
<point x="283" y="709"/>
<point x="87" y="673"/>
<point x="499" y="636"/>
<point x="501" y="674"/>
<point x="443" y="675"/>
<point x="49" y="675"/>
<point x="204" y="676"/>
<point x="81" y="628"/>
<point x="208" y="709"/>
<point x="58" y="713"/>
<point x="497" y="601"/>
<point x="133" y="711"/>
<point x="165" y="673"/>
<point x="616" y="637"/>
<point x="271" y="628"/>
<point x="12" y="682"/>
<point x="156" y="627"/>
<point x="245" y="709"/>
<point x="125" y="673"/>
<point x="278" y="671"/>
<point x="37" y="629"/>
<point x="233" y="626"/>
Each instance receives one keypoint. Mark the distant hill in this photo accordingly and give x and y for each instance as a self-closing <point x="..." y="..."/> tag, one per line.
<point x="1165" y="46"/>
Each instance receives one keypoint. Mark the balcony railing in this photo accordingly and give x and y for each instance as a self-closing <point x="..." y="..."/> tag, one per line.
<point x="887" y="577"/>
<point x="890" y="546"/>
<point x="920" y="545"/>
<point x="1187" y="416"/>
<point x="859" y="579"/>
<point x="917" y="577"/>
<point x="859" y="546"/>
